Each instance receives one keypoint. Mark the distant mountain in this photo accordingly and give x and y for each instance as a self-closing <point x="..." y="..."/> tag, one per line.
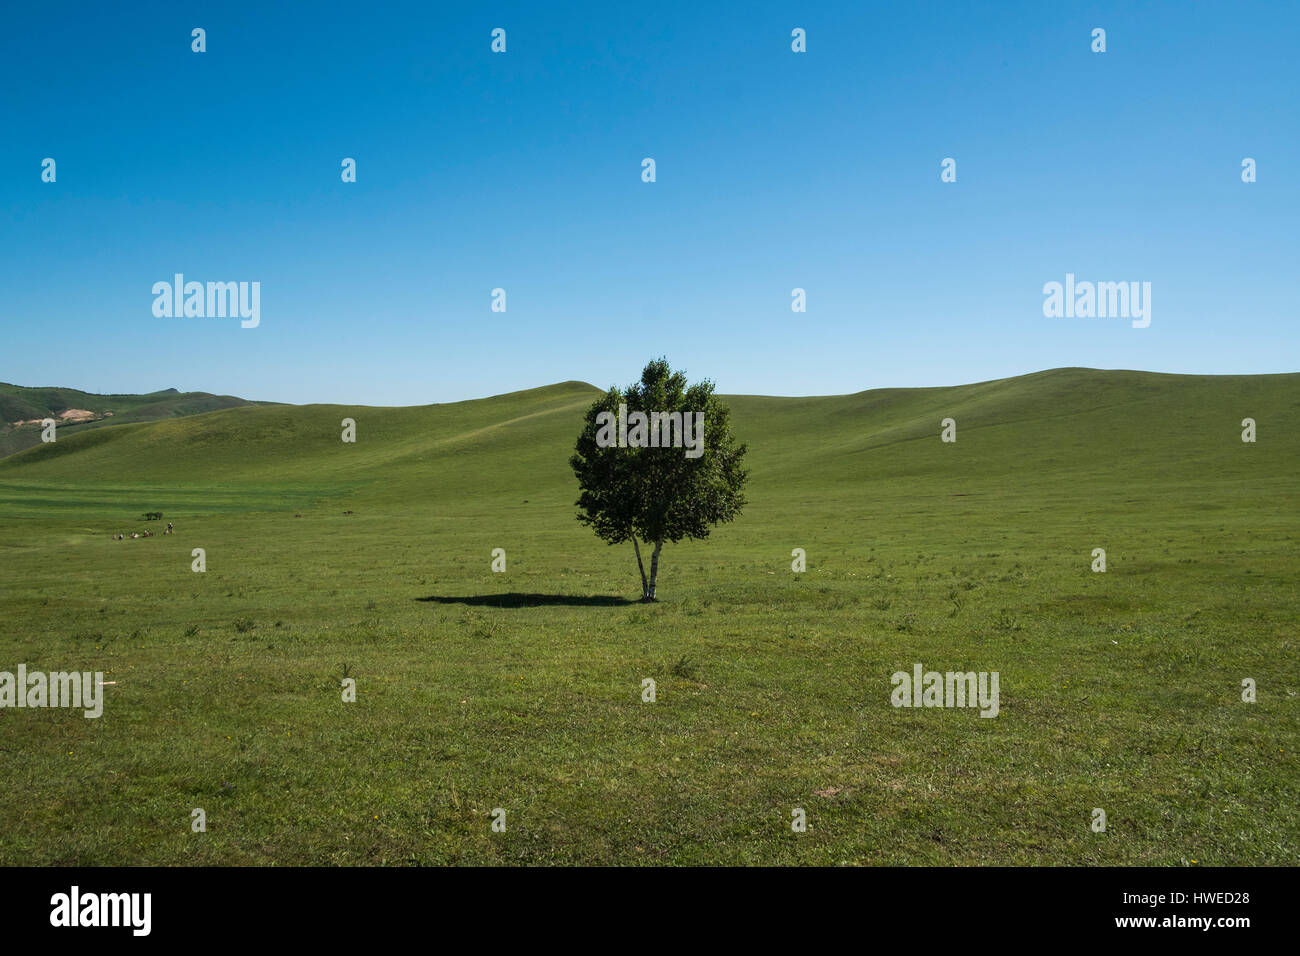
<point x="22" y="410"/>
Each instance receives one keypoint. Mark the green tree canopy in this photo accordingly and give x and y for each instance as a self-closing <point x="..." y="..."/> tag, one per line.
<point x="637" y="483"/>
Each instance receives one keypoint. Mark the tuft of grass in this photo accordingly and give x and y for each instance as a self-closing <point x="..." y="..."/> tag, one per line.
<point x="1006" y="621"/>
<point x="686" y="668"/>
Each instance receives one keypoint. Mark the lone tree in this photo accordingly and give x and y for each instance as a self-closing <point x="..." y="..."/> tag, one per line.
<point x="657" y="462"/>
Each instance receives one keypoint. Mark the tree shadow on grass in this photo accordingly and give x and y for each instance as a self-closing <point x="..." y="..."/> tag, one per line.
<point x="516" y="599"/>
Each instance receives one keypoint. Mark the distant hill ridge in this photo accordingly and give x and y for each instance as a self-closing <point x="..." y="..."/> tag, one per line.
<point x="23" y="408"/>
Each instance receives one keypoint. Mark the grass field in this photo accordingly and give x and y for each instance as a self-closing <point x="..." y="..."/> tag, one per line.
<point x="522" y="690"/>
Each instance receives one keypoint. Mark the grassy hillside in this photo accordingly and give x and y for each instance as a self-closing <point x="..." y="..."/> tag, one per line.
<point x="19" y="404"/>
<point x="522" y="690"/>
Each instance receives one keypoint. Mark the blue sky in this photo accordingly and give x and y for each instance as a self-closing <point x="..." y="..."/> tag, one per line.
<point x="522" y="171"/>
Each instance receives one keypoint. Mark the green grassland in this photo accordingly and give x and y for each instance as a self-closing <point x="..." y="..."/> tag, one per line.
<point x="522" y="690"/>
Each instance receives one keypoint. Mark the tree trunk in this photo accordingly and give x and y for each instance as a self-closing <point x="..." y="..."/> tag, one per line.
<point x="654" y="568"/>
<point x="645" y="588"/>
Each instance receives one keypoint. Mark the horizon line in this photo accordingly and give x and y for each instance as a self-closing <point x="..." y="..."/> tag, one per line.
<point x="534" y="388"/>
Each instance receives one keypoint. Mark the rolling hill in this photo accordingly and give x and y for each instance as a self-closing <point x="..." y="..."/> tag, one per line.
<point x="22" y="409"/>
<point x="1078" y="427"/>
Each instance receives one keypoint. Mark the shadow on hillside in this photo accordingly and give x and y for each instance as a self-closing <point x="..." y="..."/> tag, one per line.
<point x="516" y="599"/>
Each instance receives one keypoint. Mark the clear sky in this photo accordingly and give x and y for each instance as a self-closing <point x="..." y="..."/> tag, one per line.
<point x="522" y="170"/>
